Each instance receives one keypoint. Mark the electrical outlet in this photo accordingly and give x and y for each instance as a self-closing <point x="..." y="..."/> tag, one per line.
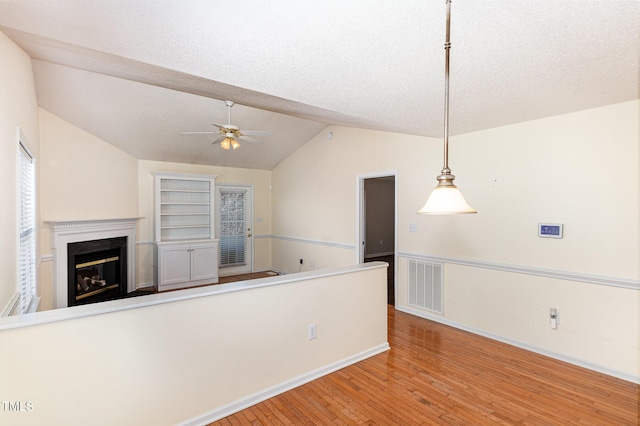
<point x="312" y="264"/>
<point x="301" y="261"/>
<point x="313" y="331"/>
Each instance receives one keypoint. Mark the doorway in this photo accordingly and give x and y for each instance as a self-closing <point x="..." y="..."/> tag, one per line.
<point x="377" y="223"/>
<point x="234" y="205"/>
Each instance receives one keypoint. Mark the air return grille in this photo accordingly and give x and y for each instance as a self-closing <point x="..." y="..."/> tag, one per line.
<point x="425" y="285"/>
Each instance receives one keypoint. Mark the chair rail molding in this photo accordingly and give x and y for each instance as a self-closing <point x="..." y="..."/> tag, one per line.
<point x="531" y="270"/>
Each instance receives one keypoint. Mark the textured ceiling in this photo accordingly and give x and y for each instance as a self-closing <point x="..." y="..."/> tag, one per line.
<point x="136" y="73"/>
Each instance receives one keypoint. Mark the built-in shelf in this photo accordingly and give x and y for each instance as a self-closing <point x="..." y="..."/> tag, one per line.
<point x="184" y="207"/>
<point x="186" y="248"/>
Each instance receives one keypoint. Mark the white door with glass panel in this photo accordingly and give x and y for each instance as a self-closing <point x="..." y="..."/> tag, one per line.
<point x="235" y="223"/>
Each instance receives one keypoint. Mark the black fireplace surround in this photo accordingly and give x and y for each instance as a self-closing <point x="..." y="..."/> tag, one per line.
<point x="97" y="270"/>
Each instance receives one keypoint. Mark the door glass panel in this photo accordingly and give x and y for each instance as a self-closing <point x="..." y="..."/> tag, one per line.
<point x="233" y="227"/>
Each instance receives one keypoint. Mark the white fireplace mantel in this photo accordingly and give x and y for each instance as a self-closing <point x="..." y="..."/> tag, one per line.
<point x="73" y="231"/>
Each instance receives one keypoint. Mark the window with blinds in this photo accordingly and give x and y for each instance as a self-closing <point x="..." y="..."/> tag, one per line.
<point x="233" y="227"/>
<point x="27" y="244"/>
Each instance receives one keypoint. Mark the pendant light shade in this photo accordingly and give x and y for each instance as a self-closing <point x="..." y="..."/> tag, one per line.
<point x="446" y="198"/>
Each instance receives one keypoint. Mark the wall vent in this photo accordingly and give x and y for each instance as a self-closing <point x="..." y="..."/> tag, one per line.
<point x="425" y="285"/>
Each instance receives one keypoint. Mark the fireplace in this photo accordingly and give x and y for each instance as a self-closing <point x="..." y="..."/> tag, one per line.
<point x="97" y="270"/>
<point x="68" y="233"/>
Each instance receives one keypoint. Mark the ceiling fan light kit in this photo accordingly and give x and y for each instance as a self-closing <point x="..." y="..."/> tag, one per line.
<point x="230" y="135"/>
<point x="446" y="198"/>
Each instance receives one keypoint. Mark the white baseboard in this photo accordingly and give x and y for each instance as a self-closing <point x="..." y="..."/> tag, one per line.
<point x="144" y="285"/>
<point x="265" y="394"/>
<point x="575" y="361"/>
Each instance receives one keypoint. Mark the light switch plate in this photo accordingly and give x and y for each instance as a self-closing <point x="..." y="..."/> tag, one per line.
<point x="550" y="230"/>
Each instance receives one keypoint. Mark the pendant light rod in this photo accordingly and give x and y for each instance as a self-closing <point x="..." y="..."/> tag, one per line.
<point x="445" y="179"/>
<point x="446" y="198"/>
<point x="447" y="47"/>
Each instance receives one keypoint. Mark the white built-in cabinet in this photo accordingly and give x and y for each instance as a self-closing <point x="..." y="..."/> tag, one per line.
<point x="186" y="247"/>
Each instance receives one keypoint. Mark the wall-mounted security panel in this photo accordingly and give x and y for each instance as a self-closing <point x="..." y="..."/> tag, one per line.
<point x="550" y="230"/>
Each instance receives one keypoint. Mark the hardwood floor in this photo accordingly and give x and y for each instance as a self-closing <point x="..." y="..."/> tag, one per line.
<point x="249" y="276"/>
<point x="435" y="374"/>
<point x="221" y="280"/>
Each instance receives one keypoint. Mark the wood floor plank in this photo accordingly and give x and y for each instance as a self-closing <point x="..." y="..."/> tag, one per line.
<point x="435" y="374"/>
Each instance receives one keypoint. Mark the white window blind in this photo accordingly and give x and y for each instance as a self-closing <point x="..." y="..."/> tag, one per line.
<point x="233" y="227"/>
<point x="27" y="244"/>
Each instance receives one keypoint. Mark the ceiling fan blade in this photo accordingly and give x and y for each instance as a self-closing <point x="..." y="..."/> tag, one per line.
<point x="231" y="134"/>
<point x="199" y="133"/>
<point x="220" y="139"/>
<point x="248" y="139"/>
<point x="255" y="133"/>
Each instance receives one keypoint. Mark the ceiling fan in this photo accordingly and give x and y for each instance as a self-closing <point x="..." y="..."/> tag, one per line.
<point x="230" y="135"/>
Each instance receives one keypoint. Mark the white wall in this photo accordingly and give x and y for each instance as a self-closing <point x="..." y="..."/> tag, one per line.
<point x="259" y="179"/>
<point x="196" y="358"/>
<point x="18" y="108"/>
<point x="81" y="177"/>
<point x="578" y="169"/>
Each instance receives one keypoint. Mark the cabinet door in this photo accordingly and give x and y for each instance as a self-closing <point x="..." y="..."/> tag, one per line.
<point x="174" y="264"/>
<point x="204" y="261"/>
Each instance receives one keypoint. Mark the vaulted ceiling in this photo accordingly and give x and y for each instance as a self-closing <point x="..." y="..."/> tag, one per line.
<point x="136" y="73"/>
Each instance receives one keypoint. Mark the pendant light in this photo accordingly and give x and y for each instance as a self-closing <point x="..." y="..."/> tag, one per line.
<point x="446" y="198"/>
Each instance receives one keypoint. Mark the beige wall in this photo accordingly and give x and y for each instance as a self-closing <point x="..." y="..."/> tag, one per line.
<point x="315" y="189"/>
<point x="191" y="358"/>
<point x="596" y="323"/>
<point x="84" y="177"/>
<point x="259" y="179"/>
<point x="18" y="108"/>
<point x="578" y="169"/>
<point x="81" y="177"/>
<point x="287" y="254"/>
